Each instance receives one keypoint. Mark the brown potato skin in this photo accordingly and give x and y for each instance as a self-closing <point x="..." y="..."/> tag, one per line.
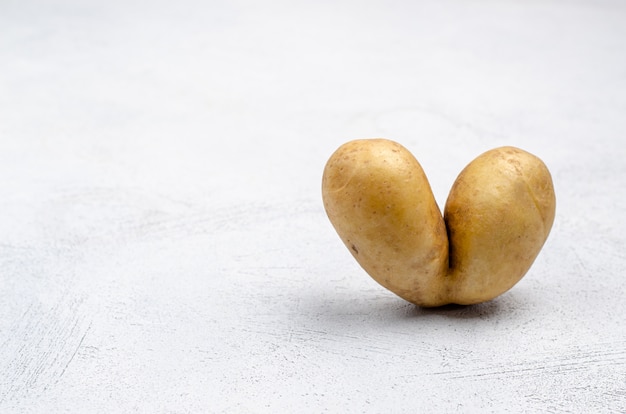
<point x="497" y="218"/>
<point x="498" y="215"/>
<point x="379" y="200"/>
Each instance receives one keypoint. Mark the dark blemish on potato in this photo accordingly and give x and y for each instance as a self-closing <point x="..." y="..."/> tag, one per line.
<point x="356" y="251"/>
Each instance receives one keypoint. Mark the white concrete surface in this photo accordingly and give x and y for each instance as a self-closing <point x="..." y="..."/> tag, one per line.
<point x="163" y="245"/>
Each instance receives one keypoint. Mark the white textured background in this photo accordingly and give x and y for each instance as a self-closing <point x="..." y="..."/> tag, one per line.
<point x="163" y="245"/>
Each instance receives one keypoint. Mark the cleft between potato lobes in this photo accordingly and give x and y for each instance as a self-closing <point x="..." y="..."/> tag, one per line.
<point x="379" y="201"/>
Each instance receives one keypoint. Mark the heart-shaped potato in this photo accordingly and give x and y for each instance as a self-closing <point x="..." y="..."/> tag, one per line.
<point x="497" y="218"/>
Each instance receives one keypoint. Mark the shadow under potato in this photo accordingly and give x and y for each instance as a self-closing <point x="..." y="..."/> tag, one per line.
<point x="480" y="310"/>
<point x="384" y="306"/>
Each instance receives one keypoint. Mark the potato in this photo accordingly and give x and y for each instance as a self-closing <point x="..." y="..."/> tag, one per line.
<point x="497" y="218"/>
<point x="498" y="215"/>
